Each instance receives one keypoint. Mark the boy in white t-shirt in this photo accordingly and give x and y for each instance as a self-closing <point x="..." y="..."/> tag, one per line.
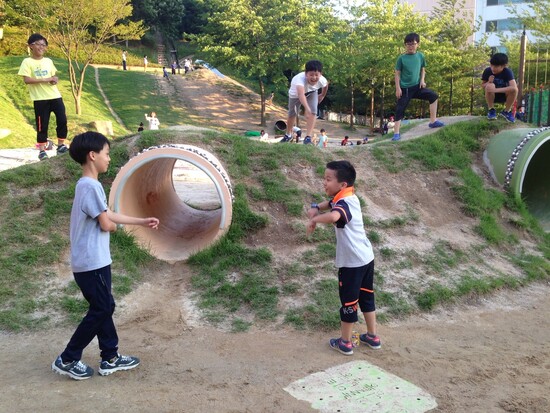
<point x="153" y="121"/>
<point x="303" y="91"/>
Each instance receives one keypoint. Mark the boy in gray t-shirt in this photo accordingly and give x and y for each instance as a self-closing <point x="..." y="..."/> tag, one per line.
<point x="354" y="255"/>
<point x="91" y="223"/>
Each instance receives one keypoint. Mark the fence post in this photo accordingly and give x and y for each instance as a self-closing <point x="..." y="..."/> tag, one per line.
<point x="531" y="103"/>
<point x="540" y="108"/>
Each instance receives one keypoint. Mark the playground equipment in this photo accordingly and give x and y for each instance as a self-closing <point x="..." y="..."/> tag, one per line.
<point x="518" y="160"/>
<point x="146" y="186"/>
<point x="280" y="126"/>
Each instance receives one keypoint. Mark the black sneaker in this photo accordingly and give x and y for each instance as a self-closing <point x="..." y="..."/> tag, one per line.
<point x="118" y="363"/>
<point x="62" y="149"/>
<point x="75" y="370"/>
<point x="42" y="155"/>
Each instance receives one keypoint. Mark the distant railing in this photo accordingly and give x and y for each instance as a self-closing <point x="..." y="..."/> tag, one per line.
<point x="537" y="107"/>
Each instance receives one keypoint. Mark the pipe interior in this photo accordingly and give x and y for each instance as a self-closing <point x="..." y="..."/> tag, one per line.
<point x="536" y="185"/>
<point x="170" y="189"/>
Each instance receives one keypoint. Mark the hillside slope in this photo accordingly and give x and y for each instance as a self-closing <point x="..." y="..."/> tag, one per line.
<point x="463" y="354"/>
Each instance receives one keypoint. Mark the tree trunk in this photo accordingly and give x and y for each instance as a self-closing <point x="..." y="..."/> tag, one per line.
<point x="372" y="109"/>
<point x="451" y="97"/>
<point x="472" y="93"/>
<point x="262" y="100"/>
<point x="77" y="106"/>
<point x="382" y="105"/>
<point x="352" y="104"/>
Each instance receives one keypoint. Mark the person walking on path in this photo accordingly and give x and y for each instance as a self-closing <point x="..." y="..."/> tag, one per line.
<point x="124" y="60"/>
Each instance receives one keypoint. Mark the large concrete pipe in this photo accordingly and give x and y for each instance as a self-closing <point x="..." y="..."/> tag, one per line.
<point x="147" y="186"/>
<point x="519" y="161"/>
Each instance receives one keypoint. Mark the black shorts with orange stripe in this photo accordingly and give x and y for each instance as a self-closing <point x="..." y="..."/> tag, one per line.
<point x="355" y="286"/>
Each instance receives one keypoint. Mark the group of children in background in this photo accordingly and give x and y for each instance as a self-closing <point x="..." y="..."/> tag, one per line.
<point x="92" y="220"/>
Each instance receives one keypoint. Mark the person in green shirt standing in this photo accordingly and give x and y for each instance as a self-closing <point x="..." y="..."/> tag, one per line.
<point x="410" y="71"/>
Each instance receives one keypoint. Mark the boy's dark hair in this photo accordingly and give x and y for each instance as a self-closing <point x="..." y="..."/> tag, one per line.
<point x="36" y="37"/>
<point x="85" y="143"/>
<point x="314" y="66"/>
<point x="345" y="172"/>
<point x="499" y="59"/>
<point x="412" y="37"/>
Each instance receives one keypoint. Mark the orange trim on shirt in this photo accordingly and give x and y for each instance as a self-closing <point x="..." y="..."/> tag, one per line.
<point x="348" y="191"/>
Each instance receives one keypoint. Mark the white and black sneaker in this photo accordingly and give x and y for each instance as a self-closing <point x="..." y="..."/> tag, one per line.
<point x="117" y="363"/>
<point x="75" y="370"/>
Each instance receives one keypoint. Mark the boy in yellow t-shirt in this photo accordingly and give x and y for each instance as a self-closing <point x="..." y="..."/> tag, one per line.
<point x="39" y="75"/>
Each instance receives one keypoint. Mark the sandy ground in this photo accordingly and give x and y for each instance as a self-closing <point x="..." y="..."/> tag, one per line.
<point x="491" y="355"/>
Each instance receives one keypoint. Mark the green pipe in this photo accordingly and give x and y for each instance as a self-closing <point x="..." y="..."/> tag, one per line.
<point x="519" y="160"/>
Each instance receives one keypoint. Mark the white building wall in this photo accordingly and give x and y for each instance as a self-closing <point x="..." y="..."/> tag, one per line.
<point x="492" y="13"/>
<point x="479" y="10"/>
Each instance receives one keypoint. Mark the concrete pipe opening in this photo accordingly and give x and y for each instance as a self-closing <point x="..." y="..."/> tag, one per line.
<point x="186" y="188"/>
<point x="280" y="126"/>
<point x="518" y="159"/>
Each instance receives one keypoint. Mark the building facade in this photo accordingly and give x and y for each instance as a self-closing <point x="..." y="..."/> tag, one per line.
<point x="493" y="14"/>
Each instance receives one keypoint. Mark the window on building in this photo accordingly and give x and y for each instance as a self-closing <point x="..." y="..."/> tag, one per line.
<point x="502" y="25"/>
<point x="504" y="2"/>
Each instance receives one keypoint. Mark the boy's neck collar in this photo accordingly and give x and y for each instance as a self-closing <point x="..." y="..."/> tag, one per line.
<point x="343" y="193"/>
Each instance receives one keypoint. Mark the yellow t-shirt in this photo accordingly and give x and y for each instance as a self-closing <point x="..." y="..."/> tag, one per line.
<point x="40" y="69"/>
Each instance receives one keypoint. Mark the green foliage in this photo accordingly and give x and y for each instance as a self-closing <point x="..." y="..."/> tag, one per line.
<point x="69" y="23"/>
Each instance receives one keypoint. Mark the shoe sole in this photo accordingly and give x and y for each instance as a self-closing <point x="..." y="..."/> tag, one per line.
<point x="61" y="372"/>
<point x="508" y="120"/>
<point x="345" y="353"/>
<point x="115" y="369"/>
<point x="379" y="346"/>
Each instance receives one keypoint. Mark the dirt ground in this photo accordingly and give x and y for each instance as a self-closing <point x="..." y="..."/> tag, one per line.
<point x="490" y="355"/>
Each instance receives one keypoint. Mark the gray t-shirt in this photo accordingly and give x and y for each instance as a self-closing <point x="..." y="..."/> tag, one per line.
<point x="353" y="249"/>
<point x="89" y="244"/>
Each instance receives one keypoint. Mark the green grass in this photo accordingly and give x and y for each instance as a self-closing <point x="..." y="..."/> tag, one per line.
<point x="34" y="212"/>
<point x="236" y="283"/>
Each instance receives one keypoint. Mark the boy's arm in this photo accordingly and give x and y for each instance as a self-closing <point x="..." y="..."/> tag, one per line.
<point x="323" y="93"/>
<point x="422" y="77"/>
<point x="510" y="88"/>
<point x="105" y="223"/>
<point x="31" y="80"/>
<point x="117" y="218"/>
<point x="327" y="218"/>
<point x="300" y="90"/>
<point x="398" y="91"/>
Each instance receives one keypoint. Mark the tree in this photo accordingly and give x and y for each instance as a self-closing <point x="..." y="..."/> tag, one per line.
<point x="80" y="27"/>
<point x="451" y="51"/>
<point x="261" y="37"/>
<point x="165" y="15"/>
<point x="535" y="18"/>
<point x="376" y="30"/>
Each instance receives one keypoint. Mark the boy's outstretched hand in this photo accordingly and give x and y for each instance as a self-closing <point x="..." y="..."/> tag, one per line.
<point x="151" y="222"/>
<point x="311" y="224"/>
